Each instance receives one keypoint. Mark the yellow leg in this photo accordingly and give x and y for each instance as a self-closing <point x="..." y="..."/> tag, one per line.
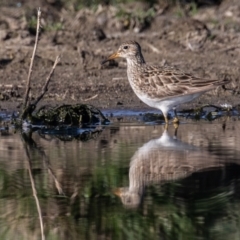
<point x="165" y="118"/>
<point x="166" y="122"/>
<point x="176" y="125"/>
<point x="166" y="127"/>
<point x="175" y="120"/>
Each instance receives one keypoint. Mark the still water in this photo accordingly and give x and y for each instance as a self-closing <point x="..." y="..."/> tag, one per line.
<point x="131" y="181"/>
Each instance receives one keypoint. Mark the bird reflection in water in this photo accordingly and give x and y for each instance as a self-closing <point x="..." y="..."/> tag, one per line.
<point x="161" y="160"/>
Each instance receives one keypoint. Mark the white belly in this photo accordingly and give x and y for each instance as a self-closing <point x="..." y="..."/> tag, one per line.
<point x="166" y="105"/>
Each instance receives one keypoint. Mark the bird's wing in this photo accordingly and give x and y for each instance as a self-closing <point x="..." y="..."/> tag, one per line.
<point x="167" y="82"/>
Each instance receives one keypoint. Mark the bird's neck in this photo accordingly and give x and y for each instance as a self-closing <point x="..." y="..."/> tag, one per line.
<point x="134" y="67"/>
<point x="135" y="61"/>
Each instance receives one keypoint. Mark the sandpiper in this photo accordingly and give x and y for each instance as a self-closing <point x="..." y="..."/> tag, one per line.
<point x="163" y="88"/>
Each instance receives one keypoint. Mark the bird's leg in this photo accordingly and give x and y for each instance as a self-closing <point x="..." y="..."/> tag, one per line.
<point x="176" y="125"/>
<point x="175" y="120"/>
<point x="166" y="126"/>
<point x="166" y="121"/>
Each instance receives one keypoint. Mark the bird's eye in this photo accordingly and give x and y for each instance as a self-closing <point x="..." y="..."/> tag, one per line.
<point x="125" y="47"/>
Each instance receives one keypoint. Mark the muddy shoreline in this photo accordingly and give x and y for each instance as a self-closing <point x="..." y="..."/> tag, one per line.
<point x="205" y="43"/>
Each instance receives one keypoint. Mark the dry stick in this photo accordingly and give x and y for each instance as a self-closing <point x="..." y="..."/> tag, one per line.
<point x="48" y="164"/>
<point x="229" y="48"/>
<point x="50" y="171"/>
<point x="31" y="63"/>
<point x="33" y="146"/>
<point x="35" y="192"/>
<point x="10" y="86"/>
<point x="153" y="48"/>
<point x="45" y="87"/>
<point x="88" y="99"/>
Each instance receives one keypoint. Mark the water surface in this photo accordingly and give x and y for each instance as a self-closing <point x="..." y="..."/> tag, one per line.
<point x="131" y="181"/>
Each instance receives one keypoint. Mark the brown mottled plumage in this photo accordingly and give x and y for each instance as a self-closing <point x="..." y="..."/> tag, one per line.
<point x="161" y="87"/>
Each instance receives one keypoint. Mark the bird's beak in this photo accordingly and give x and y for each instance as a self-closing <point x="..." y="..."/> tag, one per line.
<point x="113" y="56"/>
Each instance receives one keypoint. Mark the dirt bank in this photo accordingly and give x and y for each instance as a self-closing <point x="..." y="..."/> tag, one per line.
<point x="204" y="41"/>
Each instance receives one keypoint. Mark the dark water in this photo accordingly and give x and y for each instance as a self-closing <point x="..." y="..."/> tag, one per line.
<point x="132" y="181"/>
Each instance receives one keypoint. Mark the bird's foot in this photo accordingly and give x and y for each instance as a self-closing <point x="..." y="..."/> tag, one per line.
<point x="176" y="120"/>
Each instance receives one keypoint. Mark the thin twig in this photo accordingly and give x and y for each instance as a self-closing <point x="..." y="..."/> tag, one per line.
<point x="229" y="48"/>
<point x="153" y="48"/>
<point x="34" y="191"/>
<point x="28" y="88"/>
<point x="10" y="86"/>
<point x="45" y="87"/>
<point x="27" y="139"/>
<point x="88" y="99"/>
<point x="50" y="171"/>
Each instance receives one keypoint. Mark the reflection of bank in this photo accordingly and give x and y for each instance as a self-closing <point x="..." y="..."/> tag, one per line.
<point x="162" y="160"/>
